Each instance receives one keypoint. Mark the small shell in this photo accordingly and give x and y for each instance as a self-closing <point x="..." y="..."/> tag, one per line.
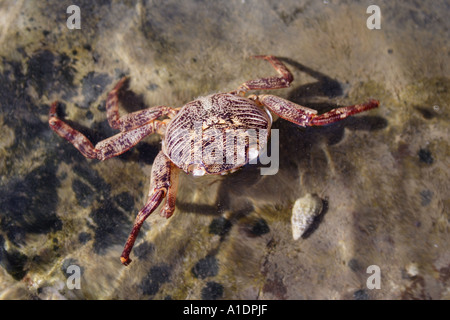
<point x="303" y="213"/>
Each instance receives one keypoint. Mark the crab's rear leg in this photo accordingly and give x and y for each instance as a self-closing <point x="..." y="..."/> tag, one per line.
<point x="304" y="116"/>
<point x="164" y="183"/>
<point x="277" y="82"/>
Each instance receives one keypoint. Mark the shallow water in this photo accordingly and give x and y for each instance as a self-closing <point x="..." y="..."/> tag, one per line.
<point x="382" y="175"/>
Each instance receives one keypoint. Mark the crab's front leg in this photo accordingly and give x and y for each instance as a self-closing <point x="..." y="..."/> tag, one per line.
<point x="133" y="126"/>
<point x="132" y="120"/>
<point x="117" y="144"/>
<point x="164" y="182"/>
<point x="304" y="116"/>
<point x="276" y="82"/>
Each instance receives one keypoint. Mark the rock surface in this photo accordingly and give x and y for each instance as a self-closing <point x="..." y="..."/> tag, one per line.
<point x="383" y="175"/>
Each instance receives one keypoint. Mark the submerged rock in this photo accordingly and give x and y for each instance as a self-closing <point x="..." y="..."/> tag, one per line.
<point x="303" y="213"/>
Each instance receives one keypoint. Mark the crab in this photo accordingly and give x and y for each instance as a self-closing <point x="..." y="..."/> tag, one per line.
<point x="210" y="116"/>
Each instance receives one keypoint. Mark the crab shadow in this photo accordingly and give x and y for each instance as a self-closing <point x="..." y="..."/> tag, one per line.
<point x="296" y="146"/>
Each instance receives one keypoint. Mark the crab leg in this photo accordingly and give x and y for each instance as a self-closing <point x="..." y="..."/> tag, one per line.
<point x="303" y="116"/>
<point x="133" y="126"/>
<point x="107" y="148"/>
<point x="163" y="185"/>
<point x="276" y="82"/>
<point x="75" y="137"/>
<point x="342" y="112"/>
<point x="132" y="120"/>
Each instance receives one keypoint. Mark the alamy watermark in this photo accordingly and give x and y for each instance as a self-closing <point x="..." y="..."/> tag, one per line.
<point x="74" y="279"/>
<point x="374" y="21"/>
<point x="74" y="20"/>
<point x="373" y="281"/>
